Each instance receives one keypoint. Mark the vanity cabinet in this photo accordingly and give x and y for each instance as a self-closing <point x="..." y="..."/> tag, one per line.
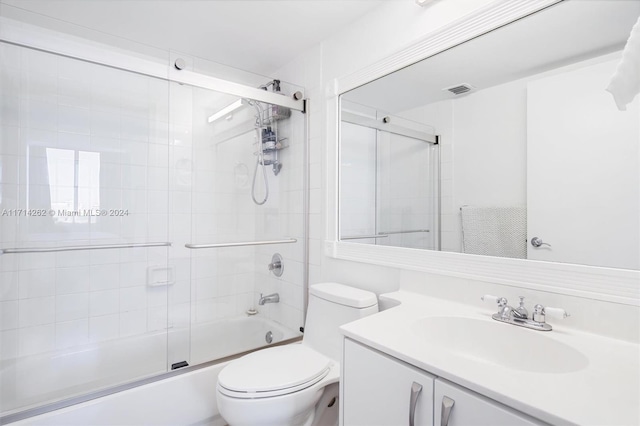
<point x="466" y="408"/>
<point x="379" y="390"/>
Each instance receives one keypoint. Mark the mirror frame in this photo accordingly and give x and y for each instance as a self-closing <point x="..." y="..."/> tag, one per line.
<point x="598" y="283"/>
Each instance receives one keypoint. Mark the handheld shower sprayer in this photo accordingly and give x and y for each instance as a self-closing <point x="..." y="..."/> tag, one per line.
<point x="266" y="127"/>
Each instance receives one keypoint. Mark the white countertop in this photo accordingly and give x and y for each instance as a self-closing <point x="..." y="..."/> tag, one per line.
<point x="605" y="392"/>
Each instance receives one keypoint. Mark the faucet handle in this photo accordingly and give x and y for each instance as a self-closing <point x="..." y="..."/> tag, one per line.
<point x="500" y="301"/>
<point x="556" y="312"/>
<point x="540" y="312"/>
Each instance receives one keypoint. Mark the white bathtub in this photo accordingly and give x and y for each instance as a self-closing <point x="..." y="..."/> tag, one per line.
<point x="63" y="374"/>
<point x="219" y="339"/>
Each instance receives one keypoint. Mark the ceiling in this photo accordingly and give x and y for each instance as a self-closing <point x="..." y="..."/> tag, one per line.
<point x="560" y="35"/>
<point x="254" y="35"/>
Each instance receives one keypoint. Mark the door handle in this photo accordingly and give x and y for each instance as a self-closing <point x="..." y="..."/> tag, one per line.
<point x="447" y="406"/>
<point x="416" y="388"/>
<point x="537" y="242"/>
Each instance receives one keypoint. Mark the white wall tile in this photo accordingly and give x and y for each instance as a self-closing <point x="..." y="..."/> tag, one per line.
<point x="37" y="283"/>
<point x="133" y="322"/>
<point x="11" y="110"/>
<point x="74" y="92"/>
<point x="10" y="140"/>
<point x="9" y="344"/>
<point x="9" y="315"/>
<point x="105" y="327"/>
<point x="38" y="339"/>
<point x="133" y="298"/>
<point x="72" y="333"/>
<point x="157" y="319"/>
<point x="104" y="277"/>
<point x="103" y="302"/>
<point x="9" y="285"/>
<point x="37" y="311"/>
<point x="105" y="124"/>
<point x="72" y="306"/>
<point x="133" y="274"/>
<point x="74" y="120"/>
<point x="38" y="84"/>
<point x="42" y="115"/>
<point x="72" y="280"/>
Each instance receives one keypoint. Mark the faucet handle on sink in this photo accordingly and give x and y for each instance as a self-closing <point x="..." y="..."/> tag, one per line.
<point x="500" y="301"/>
<point x="558" y="313"/>
<point x="540" y="312"/>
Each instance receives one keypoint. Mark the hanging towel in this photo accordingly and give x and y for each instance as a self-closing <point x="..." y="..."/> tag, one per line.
<point x="494" y="231"/>
<point x="625" y="83"/>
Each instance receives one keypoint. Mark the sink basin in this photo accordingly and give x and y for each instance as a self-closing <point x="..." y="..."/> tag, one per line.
<point x="492" y="342"/>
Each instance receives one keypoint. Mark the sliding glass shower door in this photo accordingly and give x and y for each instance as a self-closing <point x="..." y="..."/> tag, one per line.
<point x="236" y="191"/>
<point x="390" y="180"/>
<point x="83" y="227"/>
<point x="141" y="221"/>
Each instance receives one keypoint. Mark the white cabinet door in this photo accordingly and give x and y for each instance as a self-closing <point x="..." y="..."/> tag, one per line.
<point x="472" y="409"/>
<point x="377" y="390"/>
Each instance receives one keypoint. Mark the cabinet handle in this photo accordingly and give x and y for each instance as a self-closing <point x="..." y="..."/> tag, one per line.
<point x="416" y="388"/>
<point x="447" y="406"/>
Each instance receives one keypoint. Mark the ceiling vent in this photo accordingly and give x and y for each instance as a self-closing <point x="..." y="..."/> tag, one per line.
<point x="459" y="89"/>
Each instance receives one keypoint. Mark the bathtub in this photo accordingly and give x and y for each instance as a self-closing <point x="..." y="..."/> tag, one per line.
<point x="62" y="374"/>
<point x="223" y="338"/>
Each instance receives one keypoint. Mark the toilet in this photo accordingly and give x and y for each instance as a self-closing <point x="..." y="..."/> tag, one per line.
<point x="295" y="385"/>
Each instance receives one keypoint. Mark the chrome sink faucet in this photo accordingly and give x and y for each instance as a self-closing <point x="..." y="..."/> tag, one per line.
<point x="507" y="311"/>
<point x="520" y="316"/>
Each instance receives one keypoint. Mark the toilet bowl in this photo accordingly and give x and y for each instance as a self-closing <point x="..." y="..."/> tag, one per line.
<point x="295" y="384"/>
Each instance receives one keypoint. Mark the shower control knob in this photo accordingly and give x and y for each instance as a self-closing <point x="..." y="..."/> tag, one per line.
<point x="537" y="242"/>
<point x="277" y="265"/>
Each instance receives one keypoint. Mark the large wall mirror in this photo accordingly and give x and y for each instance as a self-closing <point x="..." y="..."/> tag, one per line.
<point x="506" y="145"/>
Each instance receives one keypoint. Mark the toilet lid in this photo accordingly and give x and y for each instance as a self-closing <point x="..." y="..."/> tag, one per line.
<point x="274" y="369"/>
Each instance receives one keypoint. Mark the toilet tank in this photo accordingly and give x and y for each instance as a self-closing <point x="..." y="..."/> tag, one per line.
<point x="330" y="306"/>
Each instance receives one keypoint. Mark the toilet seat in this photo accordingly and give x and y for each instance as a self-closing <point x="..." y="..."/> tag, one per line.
<point x="273" y="372"/>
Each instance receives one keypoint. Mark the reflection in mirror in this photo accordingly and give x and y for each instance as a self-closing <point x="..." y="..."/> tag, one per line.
<point x="533" y="158"/>
<point x="390" y="171"/>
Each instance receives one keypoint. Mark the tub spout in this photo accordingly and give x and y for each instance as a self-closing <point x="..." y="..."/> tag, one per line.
<point x="269" y="298"/>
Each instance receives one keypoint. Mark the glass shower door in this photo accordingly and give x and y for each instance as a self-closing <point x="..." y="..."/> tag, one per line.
<point x="228" y="216"/>
<point x="407" y="191"/>
<point x="83" y="227"/>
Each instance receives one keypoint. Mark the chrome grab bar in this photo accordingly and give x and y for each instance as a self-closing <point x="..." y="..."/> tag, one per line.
<point x="403" y="232"/>
<point x="76" y="248"/>
<point x="362" y="237"/>
<point x="240" y="244"/>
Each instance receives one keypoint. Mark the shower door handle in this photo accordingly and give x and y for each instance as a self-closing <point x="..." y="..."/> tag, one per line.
<point x="537" y="242"/>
